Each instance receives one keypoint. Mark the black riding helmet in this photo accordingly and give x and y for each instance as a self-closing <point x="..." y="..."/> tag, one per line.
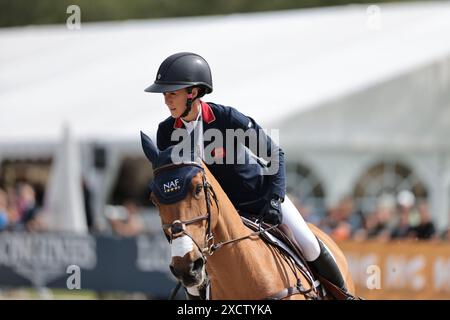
<point x="182" y="70"/>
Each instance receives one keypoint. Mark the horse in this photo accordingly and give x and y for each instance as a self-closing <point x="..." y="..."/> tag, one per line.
<point x="211" y="244"/>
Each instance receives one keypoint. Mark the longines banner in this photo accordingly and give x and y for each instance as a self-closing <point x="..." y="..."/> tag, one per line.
<point x="400" y="270"/>
<point x="381" y="270"/>
<point x="97" y="262"/>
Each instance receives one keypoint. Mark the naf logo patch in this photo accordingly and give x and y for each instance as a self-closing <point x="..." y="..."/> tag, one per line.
<point x="172" y="186"/>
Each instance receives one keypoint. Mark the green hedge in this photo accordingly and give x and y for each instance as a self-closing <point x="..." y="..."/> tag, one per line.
<point x="26" y="12"/>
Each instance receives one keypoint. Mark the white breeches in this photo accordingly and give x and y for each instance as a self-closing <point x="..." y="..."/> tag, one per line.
<point x="302" y="234"/>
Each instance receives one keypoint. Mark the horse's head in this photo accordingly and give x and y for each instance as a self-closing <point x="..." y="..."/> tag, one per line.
<point x="183" y="197"/>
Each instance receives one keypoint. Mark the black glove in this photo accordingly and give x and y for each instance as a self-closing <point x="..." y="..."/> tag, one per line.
<point x="272" y="211"/>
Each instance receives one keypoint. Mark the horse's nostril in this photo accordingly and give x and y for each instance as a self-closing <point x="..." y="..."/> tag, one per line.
<point x="198" y="264"/>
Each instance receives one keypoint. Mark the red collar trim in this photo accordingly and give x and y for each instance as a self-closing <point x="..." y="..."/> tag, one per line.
<point x="207" y="116"/>
<point x="178" y="123"/>
<point x="207" y="113"/>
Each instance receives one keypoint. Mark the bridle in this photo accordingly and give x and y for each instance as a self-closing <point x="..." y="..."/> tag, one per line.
<point x="178" y="227"/>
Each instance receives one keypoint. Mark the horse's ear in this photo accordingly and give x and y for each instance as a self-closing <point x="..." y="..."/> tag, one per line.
<point x="150" y="149"/>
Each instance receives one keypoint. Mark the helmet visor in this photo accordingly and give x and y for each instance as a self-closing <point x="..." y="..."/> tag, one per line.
<point x="166" y="87"/>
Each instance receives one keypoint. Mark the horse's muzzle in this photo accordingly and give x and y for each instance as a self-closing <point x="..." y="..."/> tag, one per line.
<point x="191" y="274"/>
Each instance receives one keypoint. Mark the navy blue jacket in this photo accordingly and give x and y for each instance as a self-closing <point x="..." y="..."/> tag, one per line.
<point x="248" y="188"/>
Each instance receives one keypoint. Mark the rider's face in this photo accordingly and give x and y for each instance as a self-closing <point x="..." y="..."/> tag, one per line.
<point x="176" y="101"/>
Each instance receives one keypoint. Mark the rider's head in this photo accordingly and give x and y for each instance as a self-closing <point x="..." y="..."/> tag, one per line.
<point x="182" y="78"/>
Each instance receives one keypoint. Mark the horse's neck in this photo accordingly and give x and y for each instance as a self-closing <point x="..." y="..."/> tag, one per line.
<point x="236" y="265"/>
<point x="229" y="225"/>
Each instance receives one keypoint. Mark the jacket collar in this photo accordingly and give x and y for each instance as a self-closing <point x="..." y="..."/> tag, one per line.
<point x="207" y="116"/>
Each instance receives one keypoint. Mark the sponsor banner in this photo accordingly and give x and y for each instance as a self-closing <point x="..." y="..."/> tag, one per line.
<point x="400" y="270"/>
<point x="102" y="263"/>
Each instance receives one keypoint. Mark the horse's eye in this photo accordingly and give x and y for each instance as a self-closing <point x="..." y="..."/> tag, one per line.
<point x="176" y="228"/>
<point x="198" y="189"/>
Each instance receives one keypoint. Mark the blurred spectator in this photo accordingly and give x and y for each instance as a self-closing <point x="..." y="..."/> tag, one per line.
<point x="383" y="218"/>
<point x="28" y="210"/>
<point x="125" y="220"/>
<point x="342" y="231"/>
<point x="13" y="210"/>
<point x="403" y="228"/>
<point x="370" y="222"/>
<point x="342" y="220"/>
<point x="26" y="202"/>
<point x="426" y="228"/>
<point x="331" y="221"/>
<point x="306" y="212"/>
<point x="405" y="202"/>
<point x="348" y="214"/>
<point x="4" y="219"/>
<point x="19" y="210"/>
<point x="379" y="223"/>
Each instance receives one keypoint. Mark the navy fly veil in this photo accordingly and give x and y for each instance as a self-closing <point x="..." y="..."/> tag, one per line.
<point x="171" y="185"/>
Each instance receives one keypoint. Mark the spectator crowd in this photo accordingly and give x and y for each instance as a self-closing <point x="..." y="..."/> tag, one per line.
<point x="19" y="209"/>
<point x="394" y="218"/>
<point x="400" y="217"/>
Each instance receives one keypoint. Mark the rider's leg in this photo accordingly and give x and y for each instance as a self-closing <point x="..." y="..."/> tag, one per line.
<point x="316" y="253"/>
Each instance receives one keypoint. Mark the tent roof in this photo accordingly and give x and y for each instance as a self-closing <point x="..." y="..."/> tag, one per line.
<point x="408" y="113"/>
<point x="268" y="65"/>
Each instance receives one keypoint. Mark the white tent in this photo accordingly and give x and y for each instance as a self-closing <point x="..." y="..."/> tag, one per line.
<point x="269" y="65"/>
<point x="410" y="112"/>
<point x="272" y="66"/>
<point x="64" y="205"/>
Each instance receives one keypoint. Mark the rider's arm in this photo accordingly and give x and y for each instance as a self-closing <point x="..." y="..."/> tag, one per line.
<point x="240" y="121"/>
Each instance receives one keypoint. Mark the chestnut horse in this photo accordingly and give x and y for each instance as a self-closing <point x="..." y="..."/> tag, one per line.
<point x="210" y="241"/>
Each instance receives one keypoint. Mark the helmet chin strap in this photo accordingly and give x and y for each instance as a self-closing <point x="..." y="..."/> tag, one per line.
<point x="188" y="103"/>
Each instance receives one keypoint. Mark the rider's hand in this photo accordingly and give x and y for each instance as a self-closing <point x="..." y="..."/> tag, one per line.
<point x="272" y="211"/>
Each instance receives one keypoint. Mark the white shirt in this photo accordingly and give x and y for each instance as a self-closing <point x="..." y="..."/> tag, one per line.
<point x="199" y="144"/>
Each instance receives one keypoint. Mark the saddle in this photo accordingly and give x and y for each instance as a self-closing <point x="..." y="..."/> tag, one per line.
<point x="283" y="239"/>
